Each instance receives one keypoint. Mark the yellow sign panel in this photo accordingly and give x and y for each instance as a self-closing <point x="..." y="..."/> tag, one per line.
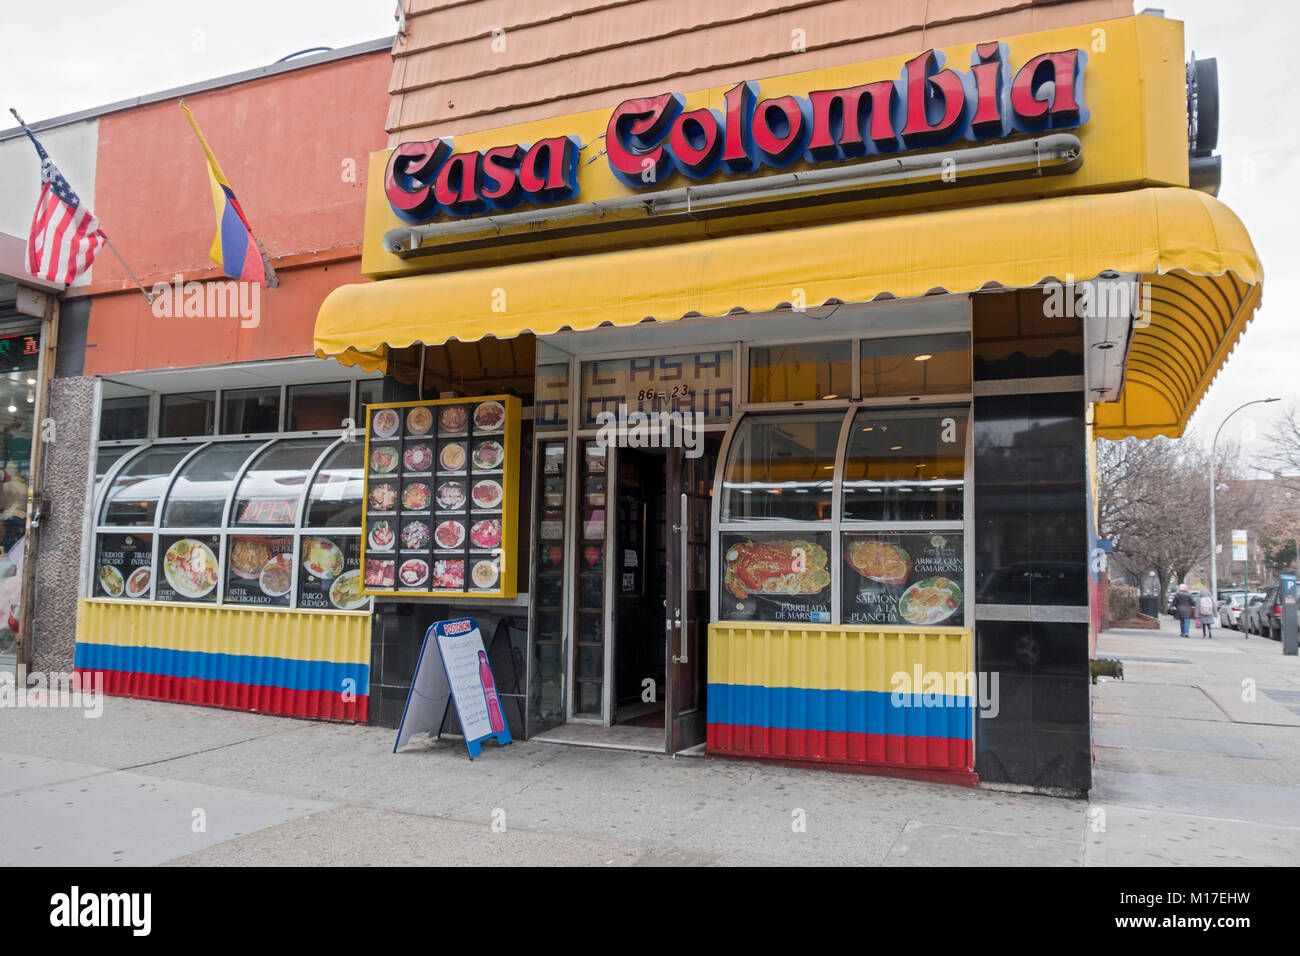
<point x="441" y="512"/>
<point x="1128" y="128"/>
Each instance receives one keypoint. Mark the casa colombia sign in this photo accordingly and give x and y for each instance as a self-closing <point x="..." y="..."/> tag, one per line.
<point x="650" y="139"/>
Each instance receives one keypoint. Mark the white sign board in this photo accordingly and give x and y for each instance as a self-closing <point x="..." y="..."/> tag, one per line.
<point x="1239" y="545"/>
<point x="453" y="668"/>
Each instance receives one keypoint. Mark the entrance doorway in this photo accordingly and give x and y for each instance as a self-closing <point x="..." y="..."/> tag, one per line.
<point x="641" y="598"/>
<point x="660" y="545"/>
<point x="640" y="548"/>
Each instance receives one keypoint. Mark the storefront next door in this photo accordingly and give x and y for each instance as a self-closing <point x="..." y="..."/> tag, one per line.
<point x="659" y="540"/>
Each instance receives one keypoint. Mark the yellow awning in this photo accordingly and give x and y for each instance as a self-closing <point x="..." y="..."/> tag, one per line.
<point x="1205" y="273"/>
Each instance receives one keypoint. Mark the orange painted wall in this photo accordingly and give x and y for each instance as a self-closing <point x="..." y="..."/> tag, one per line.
<point x="125" y="336"/>
<point x="285" y="143"/>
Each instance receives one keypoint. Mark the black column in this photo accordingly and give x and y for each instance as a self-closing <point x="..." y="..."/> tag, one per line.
<point x="1031" y="546"/>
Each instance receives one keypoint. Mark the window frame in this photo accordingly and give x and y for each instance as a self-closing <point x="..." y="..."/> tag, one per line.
<point x="838" y="525"/>
<point x="225" y="530"/>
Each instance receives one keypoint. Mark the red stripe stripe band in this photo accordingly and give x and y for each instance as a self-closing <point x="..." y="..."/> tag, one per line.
<point x="946" y="753"/>
<point x="250" y="697"/>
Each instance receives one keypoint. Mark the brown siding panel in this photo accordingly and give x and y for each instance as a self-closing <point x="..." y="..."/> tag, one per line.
<point x="565" y="57"/>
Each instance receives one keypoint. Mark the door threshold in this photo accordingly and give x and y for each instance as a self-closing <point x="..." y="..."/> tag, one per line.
<point x="621" y="737"/>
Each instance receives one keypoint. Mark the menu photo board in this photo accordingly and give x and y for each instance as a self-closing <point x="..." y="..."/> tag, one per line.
<point x="440" y="514"/>
<point x="329" y="575"/>
<point x="259" y="570"/>
<point x="189" y="566"/>
<point x="123" y="566"/>
<point x="776" y="576"/>
<point x="904" y="578"/>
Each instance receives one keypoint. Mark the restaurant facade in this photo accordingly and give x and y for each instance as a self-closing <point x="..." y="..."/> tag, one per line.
<point x="746" y="403"/>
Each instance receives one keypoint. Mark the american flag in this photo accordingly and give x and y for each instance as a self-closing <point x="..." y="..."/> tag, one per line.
<point x="65" y="233"/>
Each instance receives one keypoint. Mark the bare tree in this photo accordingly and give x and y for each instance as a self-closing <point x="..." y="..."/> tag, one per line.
<point x="1278" y="515"/>
<point x="1153" y="502"/>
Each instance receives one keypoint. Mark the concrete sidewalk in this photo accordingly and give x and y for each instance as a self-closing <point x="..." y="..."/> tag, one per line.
<point x="1186" y="773"/>
<point x="1197" y="750"/>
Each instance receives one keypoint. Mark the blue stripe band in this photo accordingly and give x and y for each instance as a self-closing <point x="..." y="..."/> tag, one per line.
<point x="840" y="711"/>
<point x="231" y="668"/>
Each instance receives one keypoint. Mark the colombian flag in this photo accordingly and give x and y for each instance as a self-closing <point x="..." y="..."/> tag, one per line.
<point x="233" y="247"/>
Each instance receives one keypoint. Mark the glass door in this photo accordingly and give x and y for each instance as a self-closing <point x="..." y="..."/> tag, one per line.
<point x="690" y="482"/>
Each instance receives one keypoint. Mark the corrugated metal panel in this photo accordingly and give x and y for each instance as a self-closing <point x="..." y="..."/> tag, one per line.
<point x="295" y="663"/>
<point x="889" y="696"/>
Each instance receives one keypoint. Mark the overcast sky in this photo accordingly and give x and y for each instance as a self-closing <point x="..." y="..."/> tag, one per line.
<point x="58" y="57"/>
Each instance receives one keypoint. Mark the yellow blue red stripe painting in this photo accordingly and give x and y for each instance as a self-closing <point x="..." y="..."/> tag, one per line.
<point x="233" y="246"/>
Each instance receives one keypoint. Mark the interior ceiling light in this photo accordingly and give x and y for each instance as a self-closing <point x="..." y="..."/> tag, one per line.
<point x="895" y="447"/>
<point x="12" y="406"/>
<point x="31" y="381"/>
<point x="828" y="397"/>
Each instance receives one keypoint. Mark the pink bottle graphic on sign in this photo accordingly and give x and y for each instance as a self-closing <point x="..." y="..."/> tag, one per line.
<point x="490" y="694"/>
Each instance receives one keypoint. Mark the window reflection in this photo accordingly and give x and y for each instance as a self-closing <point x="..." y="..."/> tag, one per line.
<point x="198" y="497"/>
<point x="335" y="496"/>
<point x="183" y="416"/>
<point x="800" y="372"/>
<point x="916" y="365"/>
<point x="133" y="497"/>
<point x="906" y="465"/>
<point x="250" y="410"/>
<point x="272" y="487"/>
<point x="781" y="468"/>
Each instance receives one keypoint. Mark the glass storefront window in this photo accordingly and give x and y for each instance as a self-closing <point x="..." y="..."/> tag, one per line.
<point x="548" y="670"/>
<point x="104" y="462"/>
<point x="187" y="415"/>
<point x="124" y="418"/>
<point x="291" y="537"/>
<point x="198" y="497"/>
<point x="271" y="489"/>
<point x="589" y="585"/>
<point x="318" y="407"/>
<point x="335" y="496"/>
<point x="916" y="365"/>
<point x="133" y="497"/>
<point x="247" y="411"/>
<point x="800" y="372"/>
<point x="781" y="468"/>
<point x="905" y="465"/>
<point x="369" y="392"/>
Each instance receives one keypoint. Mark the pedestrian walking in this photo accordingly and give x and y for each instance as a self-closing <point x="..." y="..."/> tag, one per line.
<point x="1205" y="612"/>
<point x="1184" y="610"/>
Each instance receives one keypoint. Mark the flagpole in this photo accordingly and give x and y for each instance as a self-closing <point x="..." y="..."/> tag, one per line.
<point x="147" y="294"/>
<point x="108" y="242"/>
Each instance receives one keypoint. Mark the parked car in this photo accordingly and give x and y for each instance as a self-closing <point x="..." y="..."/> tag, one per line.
<point x="1230" y="610"/>
<point x="1249" y="612"/>
<point x="1266" y="617"/>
